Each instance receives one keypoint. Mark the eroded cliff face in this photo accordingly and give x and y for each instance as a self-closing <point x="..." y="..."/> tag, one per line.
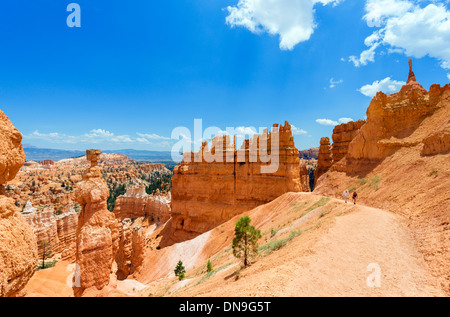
<point x="206" y="193"/>
<point x="97" y="234"/>
<point x="324" y="160"/>
<point x="130" y="256"/>
<point x="18" y="250"/>
<point x="137" y="203"/>
<point x="343" y="134"/>
<point x="329" y="155"/>
<point x="12" y="155"/>
<point x="393" y="122"/>
<point x="304" y="177"/>
<point x="57" y="230"/>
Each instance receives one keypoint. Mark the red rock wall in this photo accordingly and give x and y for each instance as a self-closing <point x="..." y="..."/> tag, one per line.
<point x="324" y="160"/>
<point x="343" y="134"/>
<point x="137" y="203"/>
<point x="205" y="195"/>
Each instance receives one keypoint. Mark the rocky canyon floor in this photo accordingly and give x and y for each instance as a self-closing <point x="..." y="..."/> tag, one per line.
<point x="311" y="246"/>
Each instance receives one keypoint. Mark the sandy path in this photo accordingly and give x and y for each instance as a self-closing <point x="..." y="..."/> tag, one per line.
<point x="359" y="245"/>
<point x="337" y="260"/>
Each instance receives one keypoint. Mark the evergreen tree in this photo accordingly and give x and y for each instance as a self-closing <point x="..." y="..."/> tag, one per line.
<point x="46" y="252"/>
<point x="209" y="267"/>
<point x="179" y="270"/>
<point x="245" y="242"/>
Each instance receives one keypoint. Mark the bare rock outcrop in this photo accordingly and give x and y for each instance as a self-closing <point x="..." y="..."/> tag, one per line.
<point x="18" y="251"/>
<point x="343" y="134"/>
<point x="130" y="256"/>
<point x="437" y="142"/>
<point x="211" y="186"/>
<point x="391" y="122"/>
<point x="97" y="233"/>
<point x="66" y="226"/>
<point x="44" y="227"/>
<point x="324" y="160"/>
<point x="137" y="203"/>
<point x="304" y="177"/>
<point x="58" y="231"/>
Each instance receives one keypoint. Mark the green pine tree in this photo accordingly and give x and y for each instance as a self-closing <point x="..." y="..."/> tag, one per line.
<point x="180" y="270"/>
<point x="209" y="266"/>
<point x="245" y="242"/>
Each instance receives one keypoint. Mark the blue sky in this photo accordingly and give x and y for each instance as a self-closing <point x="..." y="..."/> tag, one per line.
<point x="135" y="70"/>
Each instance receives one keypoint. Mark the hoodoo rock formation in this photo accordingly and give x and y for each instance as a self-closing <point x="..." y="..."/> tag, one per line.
<point x="324" y="160"/>
<point x="392" y="121"/>
<point x="207" y="192"/>
<point x="329" y="155"/>
<point x="97" y="233"/>
<point x="304" y="177"/>
<point x="131" y="249"/>
<point x="137" y="203"/>
<point x="18" y="250"/>
<point x="343" y="134"/>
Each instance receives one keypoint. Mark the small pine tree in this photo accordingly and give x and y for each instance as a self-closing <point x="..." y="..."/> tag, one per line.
<point x="179" y="270"/>
<point x="245" y="242"/>
<point x="209" y="266"/>
<point x="46" y="252"/>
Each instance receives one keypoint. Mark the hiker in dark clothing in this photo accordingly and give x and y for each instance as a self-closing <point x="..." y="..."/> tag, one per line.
<point x="355" y="195"/>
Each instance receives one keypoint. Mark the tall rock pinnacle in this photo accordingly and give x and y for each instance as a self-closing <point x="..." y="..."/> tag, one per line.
<point x="411" y="76"/>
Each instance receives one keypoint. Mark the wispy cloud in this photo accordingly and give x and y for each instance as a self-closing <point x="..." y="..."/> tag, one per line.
<point x="297" y="131"/>
<point x="329" y="122"/>
<point x="95" y="136"/>
<point x="334" y="82"/>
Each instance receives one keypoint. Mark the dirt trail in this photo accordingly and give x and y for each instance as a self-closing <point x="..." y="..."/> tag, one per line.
<point x="359" y="245"/>
<point x="337" y="260"/>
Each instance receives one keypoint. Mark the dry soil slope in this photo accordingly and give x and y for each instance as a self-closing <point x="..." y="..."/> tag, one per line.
<point x="330" y="258"/>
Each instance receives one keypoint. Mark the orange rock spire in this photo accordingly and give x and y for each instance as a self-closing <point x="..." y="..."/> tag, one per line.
<point x="411" y="76"/>
<point x="97" y="233"/>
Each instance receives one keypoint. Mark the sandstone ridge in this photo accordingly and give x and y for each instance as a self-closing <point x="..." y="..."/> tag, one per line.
<point x="206" y="193"/>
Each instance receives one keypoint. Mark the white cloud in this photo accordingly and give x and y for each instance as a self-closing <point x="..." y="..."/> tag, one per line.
<point x="448" y="76"/>
<point x="404" y="26"/>
<point x="327" y="122"/>
<point x="297" y="131"/>
<point x="292" y="20"/>
<point x="333" y="82"/>
<point x="95" y="136"/>
<point x="378" y="11"/>
<point x="99" y="133"/>
<point x="365" y="57"/>
<point x="345" y="120"/>
<point x="386" y="85"/>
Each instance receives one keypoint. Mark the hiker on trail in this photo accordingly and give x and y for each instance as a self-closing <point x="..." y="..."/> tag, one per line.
<point x="346" y="195"/>
<point x="355" y="195"/>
